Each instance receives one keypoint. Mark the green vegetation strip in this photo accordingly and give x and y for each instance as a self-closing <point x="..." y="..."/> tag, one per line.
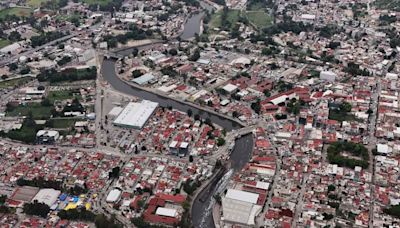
<point x="4" y="42"/>
<point x="14" y="82"/>
<point x="97" y="2"/>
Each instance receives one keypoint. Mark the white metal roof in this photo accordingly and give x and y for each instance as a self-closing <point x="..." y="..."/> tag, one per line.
<point x="242" y="196"/>
<point x="144" y="79"/>
<point x="169" y="212"/>
<point x="113" y="196"/>
<point x="136" y="114"/>
<point x="47" y="196"/>
<point x="115" y="111"/>
<point x="229" y="88"/>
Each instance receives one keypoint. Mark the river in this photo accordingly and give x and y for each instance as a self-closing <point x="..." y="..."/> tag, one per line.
<point x="194" y="22"/>
<point x="202" y="216"/>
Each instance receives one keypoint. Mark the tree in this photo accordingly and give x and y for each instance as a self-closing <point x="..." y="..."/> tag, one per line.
<point x="12" y="66"/>
<point x="208" y="121"/>
<point x="135" y="52"/>
<point x="256" y="106"/>
<point x="36" y="208"/>
<point x="393" y="211"/>
<point x="197" y="117"/>
<point x="114" y="172"/>
<point x="220" y="141"/>
<point x="46" y="102"/>
<point x="101" y="221"/>
<point x="195" y="56"/>
<point x="267" y="93"/>
<point x="14" y="36"/>
<point x="173" y="52"/>
<point x="80" y="214"/>
<point x="190" y="158"/>
<point x="331" y="188"/>
<point x="345" y="107"/>
<point x="136" y="73"/>
<point x="4" y="77"/>
<point x="189" y="112"/>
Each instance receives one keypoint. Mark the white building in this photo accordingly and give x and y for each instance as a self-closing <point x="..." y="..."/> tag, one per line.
<point x="327" y="76"/>
<point x="240" y="207"/>
<point x="135" y="115"/>
<point x="230" y="88"/>
<point x="168" y="212"/>
<point x="47" y="136"/>
<point x="113" y="196"/>
<point x="47" y="196"/>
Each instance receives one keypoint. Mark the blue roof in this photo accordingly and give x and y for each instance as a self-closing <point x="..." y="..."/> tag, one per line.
<point x="63" y="197"/>
<point x="144" y="79"/>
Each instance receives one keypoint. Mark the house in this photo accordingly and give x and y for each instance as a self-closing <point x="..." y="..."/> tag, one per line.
<point x="47" y="137"/>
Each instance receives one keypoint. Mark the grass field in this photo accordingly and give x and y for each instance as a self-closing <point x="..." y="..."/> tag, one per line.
<point x="232" y="17"/>
<point x="4" y="43"/>
<point x="100" y="2"/>
<point x="61" y="95"/>
<point x="260" y="19"/>
<point x="255" y="6"/>
<point x="14" y="82"/>
<point x="63" y="123"/>
<point x="17" y="11"/>
<point x="38" y="111"/>
<point x="35" y="3"/>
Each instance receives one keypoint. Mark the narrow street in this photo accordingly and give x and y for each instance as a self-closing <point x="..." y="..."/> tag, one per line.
<point x="372" y="145"/>
<point x="260" y="218"/>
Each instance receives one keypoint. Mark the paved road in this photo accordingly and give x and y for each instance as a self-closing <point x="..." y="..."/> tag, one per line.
<point x="372" y="145"/>
<point x="260" y="218"/>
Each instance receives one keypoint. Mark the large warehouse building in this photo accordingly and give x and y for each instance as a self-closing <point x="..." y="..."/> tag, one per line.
<point x="47" y="196"/>
<point x="135" y="115"/>
<point x="240" y="207"/>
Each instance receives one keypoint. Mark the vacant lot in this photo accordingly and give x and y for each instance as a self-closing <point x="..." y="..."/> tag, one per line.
<point x="62" y="95"/>
<point x="14" y="82"/>
<point x="38" y="111"/>
<point x="63" y="122"/>
<point x="17" y="11"/>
